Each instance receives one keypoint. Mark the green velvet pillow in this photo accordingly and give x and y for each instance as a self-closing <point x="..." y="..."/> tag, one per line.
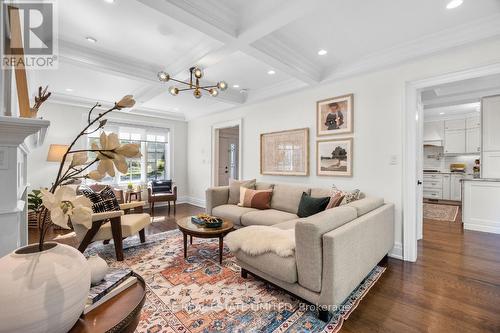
<point x="309" y="206"/>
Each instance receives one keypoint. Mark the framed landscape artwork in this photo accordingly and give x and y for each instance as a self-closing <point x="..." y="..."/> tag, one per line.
<point x="335" y="115"/>
<point x="334" y="157"/>
<point x="285" y="153"/>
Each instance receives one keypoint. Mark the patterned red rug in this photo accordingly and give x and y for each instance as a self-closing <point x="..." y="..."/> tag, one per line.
<point x="199" y="295"/>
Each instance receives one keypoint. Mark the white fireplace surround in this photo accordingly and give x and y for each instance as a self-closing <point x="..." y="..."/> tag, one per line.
<point x="17" y="135"/>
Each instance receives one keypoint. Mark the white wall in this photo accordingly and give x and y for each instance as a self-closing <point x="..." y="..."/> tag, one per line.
<point x="378" y="134"/>
<point x="67" y="121"/>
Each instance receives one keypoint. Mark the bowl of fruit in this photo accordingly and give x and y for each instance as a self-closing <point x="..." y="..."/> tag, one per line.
<point x="207" y="220"/>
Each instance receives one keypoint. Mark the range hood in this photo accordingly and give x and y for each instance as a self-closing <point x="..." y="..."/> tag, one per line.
<point x="433" y="143"/>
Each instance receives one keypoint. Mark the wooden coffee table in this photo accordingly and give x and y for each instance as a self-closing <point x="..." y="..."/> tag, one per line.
<point x="119" y="314"/>
<point x="191" y="229"/>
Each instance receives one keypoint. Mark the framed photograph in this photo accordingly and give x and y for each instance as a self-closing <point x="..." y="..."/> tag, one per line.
<point x="335" y="115"/>
<point x="334" y="157"/>
<point x="285" y="153"/>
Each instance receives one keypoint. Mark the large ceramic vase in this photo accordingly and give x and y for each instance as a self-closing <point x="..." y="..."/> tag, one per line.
<point x="42" y="291"/>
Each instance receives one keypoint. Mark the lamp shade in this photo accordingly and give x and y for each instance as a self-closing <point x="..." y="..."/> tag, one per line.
<point x="56" y="153"/>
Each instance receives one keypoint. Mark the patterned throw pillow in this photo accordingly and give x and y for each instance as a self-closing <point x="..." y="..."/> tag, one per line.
<point x="259" y="199"/>
<point x="349" y="196"/>
<point x="335" y="201"/>
<point x="102" y="201"/>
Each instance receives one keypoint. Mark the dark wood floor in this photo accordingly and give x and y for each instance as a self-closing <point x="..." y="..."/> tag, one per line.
<point x="453" y="287"/>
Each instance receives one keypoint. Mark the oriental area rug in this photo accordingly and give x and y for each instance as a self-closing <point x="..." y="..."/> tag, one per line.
<point x="199" y="295"/>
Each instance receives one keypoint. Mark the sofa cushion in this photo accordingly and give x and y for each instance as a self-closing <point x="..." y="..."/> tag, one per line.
<point x="287" y="197"/>
<point x="366" y="205"/>
<point x="309" y="245"/>
<point x="259" y="199"/>
<point x="263" y="186"/>
<point x="309" y="206"/>
<point x="282" y="268"/>
<point x="234" y="189"/>
<point x="318" y="192"/>
<point x="287" y="224"/>
<point x="232" y="213"/>
<point x="266" y="217"/>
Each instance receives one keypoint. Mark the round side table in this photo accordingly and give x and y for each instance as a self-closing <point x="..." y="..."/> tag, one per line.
<point x="119" y="314"/>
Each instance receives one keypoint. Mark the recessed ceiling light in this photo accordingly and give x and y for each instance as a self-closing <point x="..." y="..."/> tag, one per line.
<point x="176" y="109"/>
<point x="271" y="72"/>
<point x="322" y="52"/>
<point x="236" y="85"/>
<point x="110" y="1"/>
<point x="69" y="89"/>
<point x="441" y="112"/>
<point x="91" y="39"/>
<point x="454" y="4"/>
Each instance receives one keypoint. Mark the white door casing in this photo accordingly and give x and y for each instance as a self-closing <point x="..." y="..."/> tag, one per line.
<point x="214" y="168"/>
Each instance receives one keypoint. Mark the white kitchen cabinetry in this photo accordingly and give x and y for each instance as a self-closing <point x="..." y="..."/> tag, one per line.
<point x="490" y="137"/>
<point x="454" y="124"/>
<point x="446" y="186"/>
<point x="481" y="211"/>
<point x="473" y="140"/>
<point x="454" y="141"/>
<point x="456" y="187"/>
<point x="434" y="132"/>
<point x="473" y="122"/>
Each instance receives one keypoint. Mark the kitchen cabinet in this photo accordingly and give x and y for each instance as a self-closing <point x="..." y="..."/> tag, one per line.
<point x="473" y="140"/>
<point x="454" y="124"/>
<point x="491" y="123"/>
<point x="490" y="164"/>
<point x="456" y="187"/>
<point x="454" y="141"/>
<point x="446" y="186"/>
<point x="473" y="122"/>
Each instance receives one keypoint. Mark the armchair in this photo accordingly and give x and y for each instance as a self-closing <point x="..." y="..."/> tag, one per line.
<point x="161" y="191"/>
<point x="115" y="225"/>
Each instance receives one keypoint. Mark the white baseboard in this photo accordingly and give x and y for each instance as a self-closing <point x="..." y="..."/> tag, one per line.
<point x="196" y="202"/>
<point x="397" y="251"/>
<point x="482" y="228"/>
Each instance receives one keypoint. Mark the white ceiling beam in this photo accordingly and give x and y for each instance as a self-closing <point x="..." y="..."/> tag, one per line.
<point x="458" y="99"/>
<point x="202" y="17"/>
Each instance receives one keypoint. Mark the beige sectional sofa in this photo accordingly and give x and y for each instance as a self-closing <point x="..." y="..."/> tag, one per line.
<point x="334" y="249"/>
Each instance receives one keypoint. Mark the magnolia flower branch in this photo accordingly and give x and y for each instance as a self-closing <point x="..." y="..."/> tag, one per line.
<point x="61" y="201"/>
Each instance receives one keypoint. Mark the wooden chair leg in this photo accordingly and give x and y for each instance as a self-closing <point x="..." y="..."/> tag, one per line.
<point x="169" y="207"/>
<point x="87" y="239"/>
<point x="106" y="241"/>
<point x="153" y="209"/>
<point x="244" y="273"/>
<point x="116" y="230"/>
<point x="142" y="235"/>
<point x="174" y="205"/>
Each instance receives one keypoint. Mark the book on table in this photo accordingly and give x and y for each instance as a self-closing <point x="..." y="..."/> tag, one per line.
<point x="129" y="281"/>
<point x="113" y="278"/>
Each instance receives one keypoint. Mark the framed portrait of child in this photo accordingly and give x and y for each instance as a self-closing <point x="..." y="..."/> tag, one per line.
<point x="335" y="115"/>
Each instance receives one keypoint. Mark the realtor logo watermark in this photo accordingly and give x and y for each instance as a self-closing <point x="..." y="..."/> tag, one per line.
<point x="29" y="34"/>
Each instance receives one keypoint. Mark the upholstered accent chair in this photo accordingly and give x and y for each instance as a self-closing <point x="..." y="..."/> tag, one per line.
<point x="161" y="191"/>
<point x="118" y="191"/>
<point x="115" y="225"/>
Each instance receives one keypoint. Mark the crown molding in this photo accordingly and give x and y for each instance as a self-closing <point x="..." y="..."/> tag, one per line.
<point x="64" y="99"/>
<point x="475" y="31"/>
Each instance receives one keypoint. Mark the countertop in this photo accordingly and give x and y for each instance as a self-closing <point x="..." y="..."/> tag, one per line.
<point x="447" y="173"/>
<point x="480" y="180"/>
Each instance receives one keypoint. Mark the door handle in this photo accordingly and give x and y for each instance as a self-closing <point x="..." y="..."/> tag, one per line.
<point x="419" y="182"/>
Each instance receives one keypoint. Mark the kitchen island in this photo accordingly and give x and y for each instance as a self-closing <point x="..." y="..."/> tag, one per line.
<point x="481" y="204"/>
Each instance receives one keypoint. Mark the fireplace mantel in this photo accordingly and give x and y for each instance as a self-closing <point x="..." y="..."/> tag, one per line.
<point x="16" y="136"/>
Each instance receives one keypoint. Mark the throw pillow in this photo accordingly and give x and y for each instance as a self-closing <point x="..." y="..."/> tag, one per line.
<point x="102" y="201"/>
<point x="335" y="201"/>
<point x="234" y="189"/>
<point x="309" y="206"/>
<point x="259" y="199"/>
<point x="349" y="196"/>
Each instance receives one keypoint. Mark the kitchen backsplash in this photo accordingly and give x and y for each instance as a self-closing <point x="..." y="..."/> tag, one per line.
<point x="432" y="162"/>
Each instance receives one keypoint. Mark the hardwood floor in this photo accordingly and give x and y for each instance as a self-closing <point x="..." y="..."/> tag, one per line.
<point x="453" y="287"/>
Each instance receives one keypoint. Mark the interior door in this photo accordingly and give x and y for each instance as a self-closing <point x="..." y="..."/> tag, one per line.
<point x="224" y="159"/>
<point x="420" y="167"/>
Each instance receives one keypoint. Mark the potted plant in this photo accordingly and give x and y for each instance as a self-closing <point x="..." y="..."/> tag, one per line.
<point x="34" y="207"/>
<point x="50" y="279"/>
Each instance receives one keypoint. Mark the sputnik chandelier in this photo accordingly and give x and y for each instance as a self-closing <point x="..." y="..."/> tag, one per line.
<point x="196" y="74"/>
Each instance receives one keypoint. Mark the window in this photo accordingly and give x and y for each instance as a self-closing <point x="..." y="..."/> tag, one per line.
<point x="154" y="148"/>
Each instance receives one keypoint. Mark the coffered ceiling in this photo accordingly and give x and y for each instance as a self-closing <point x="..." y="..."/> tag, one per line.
<point x="241" y="41"/>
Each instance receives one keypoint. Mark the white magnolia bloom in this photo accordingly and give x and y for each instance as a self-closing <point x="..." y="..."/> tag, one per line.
<point x="114" y="154"/>
<point x="65" y="204"/>
<point x="79" y="158"/>
<point x="126" y="102"/>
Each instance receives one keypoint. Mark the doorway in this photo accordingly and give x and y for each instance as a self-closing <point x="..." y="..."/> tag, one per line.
<point x="428" y="96"/>
<point x="226" y="154"/>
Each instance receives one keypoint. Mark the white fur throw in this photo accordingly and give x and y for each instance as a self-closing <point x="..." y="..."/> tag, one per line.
<point x="256" y="239"/>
